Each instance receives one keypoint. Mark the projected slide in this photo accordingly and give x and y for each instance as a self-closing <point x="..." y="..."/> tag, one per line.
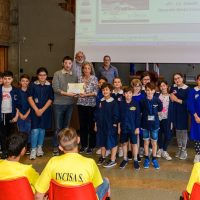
<point x="139" y="30"/>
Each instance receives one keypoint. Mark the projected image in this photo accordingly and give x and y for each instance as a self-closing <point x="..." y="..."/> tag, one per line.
<point x="123" y="11"/>
<point x="125" y="5"/>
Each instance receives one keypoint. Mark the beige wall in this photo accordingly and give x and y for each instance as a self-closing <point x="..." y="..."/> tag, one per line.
<point x="42" y="22"/>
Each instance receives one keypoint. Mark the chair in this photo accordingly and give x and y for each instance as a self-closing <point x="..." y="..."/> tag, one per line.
<point x="63" y="192"/>
<point x="195" y="194"/>
<point x="185" y="195"/>
<point x="16" y="189"/>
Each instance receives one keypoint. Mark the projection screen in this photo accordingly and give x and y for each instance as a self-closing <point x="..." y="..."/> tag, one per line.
<point x="153" y="31"/>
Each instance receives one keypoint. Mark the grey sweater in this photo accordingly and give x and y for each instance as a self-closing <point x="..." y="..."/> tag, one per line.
<point x="60" y="82"/>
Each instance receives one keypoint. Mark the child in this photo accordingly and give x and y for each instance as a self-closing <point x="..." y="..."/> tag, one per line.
<point x="71" y="169"/>
<point x="40" y="97"/>
<point x="165" y="117"/>
<point x="179" y="95"/>
<point x="145" y="78"/>
<point x="10" y="103"/>
<point x="106" y="119"/>
<point x="194" y="109"/>
<point x="138" y="96"/>
<point x="117" y="94"/>
<point x="150" y="106"/>
<point x="24" y="120"/>
<point x="129" y="126"/>
<point x="99" y="96"/>
<point x="11" y="167"/>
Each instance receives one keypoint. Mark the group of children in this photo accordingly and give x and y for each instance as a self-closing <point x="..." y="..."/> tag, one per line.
<point x="140" y="119"/>
<point x="29" y="106"/>
<point x="134" y="118"/>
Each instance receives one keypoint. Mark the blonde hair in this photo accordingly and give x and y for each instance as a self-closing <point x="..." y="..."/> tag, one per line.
<point x="68" y="139"/>
<point x="135" y="82"/>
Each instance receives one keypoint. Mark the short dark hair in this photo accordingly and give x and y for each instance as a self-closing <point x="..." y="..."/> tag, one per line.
<point x="67" y="58"/>
<point x="127" y="89"/>
<point x="105" y="85"/>
<point x="198" y="76"/>
<point x="25" y="76"/>
<point x="151" y="86"/>
<point x="1" y="74"/>
<point x="67" y="138"/>
<point x="8" y="74"/>
<point x="144" y="74"/>
<point x="103" y="78"/>
<point x="15" y="143"/>
<point x="41" y="69"/>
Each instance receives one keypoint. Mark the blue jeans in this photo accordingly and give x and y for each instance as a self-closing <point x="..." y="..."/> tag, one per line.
<point x="24" y="126"/>
<point x="102" y="189"/>
<point x="62" y="117"/>
<point x="153" y="134"/>
<point x="37" y="137"/>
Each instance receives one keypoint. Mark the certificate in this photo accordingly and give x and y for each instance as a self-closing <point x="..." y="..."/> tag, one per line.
<point x="76" y="88"/>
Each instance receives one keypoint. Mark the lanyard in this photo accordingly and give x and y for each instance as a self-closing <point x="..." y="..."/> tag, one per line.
<point x="150" y="105"/>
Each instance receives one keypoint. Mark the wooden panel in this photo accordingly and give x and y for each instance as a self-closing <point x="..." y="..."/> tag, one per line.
<point x="4" y="21"/>
<point x="3" y="58"/>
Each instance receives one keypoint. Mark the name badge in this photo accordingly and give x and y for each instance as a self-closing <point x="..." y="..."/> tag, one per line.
<point x="151" y="117"/>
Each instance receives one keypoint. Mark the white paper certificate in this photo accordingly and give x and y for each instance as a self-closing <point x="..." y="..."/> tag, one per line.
<point x="76" y="88"/>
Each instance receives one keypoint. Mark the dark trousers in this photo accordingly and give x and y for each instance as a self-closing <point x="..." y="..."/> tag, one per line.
<point x="87" y="134"/>
<point x="164" y="135"/>
<point x="6" y="129"/>
<point x="197" y="147"/>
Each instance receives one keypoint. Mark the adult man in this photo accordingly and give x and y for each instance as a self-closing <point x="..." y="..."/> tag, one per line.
<point x="63" y="100"/>
<point x="107" y="70"/>
<point x="71" y="168"/>
<point x="77" y="64"/>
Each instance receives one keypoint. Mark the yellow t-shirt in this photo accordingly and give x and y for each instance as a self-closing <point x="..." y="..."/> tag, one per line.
<point x="11" y="169"/>
<point x="195" y="177"/>
<point x="69" y="169"/>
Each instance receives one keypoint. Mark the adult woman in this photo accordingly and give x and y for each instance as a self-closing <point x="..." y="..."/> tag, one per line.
<point x="86" y="105"/>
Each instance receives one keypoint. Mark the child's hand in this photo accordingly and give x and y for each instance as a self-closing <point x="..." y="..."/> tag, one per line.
<point x="95" y="127"/>
<point x="119" y="130"/>
<point x="137" y="131"/>
<point x="171" y="126"/>
<point x="13" y="120"/>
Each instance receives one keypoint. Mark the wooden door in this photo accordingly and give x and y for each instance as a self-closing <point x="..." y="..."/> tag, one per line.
<point x="3" y="58"/>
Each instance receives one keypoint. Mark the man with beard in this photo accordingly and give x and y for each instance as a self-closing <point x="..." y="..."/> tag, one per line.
<point x="77" y="64"/>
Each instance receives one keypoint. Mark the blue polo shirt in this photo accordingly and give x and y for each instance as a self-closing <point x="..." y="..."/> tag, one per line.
<point x="110" y="74"/>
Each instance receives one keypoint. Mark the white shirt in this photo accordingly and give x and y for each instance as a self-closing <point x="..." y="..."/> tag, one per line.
<point x="6" y="106"/>
<point x="165" y="101"/>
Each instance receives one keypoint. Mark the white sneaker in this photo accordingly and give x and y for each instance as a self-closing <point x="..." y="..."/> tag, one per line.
<point x="178" y="153"/>
<point x="141" y="152"/>
<point x="98" y="152"/>
<point x="40" y="152"/>
<point x="107" y="153"/>
<point x="197" y="158"/>
<point x="120" y="152"/>
<point x="166" y="155"/>
<point x="159" y="153"/>
<point x="183" y="155"/>
<point x="33" y="154"/>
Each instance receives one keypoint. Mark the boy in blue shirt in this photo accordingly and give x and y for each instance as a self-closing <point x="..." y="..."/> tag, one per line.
<point x="150" y="106"/>
<point x="9" y="105"/>
<point x="129" y="126"/>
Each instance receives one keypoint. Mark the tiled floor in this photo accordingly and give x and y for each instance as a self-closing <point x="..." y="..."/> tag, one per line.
<point x="146" y="184"/>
